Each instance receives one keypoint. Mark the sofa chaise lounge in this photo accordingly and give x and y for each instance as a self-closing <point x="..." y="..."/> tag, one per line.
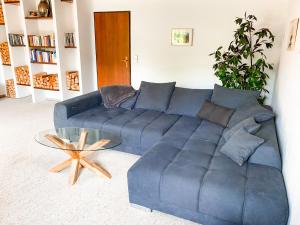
<point x="181" y="170"/>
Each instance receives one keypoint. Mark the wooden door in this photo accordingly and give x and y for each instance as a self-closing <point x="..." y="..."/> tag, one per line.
<point x="112" y="35"/>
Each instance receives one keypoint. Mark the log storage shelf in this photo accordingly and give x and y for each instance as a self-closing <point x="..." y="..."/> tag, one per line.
<point x="12" y="2"/>
<point x="10" y="88"/>
<point x="72" y="81"/>
<point x="4" y="51"/>
<point x="22" y="75"/>
<point x="1" y="16"/>
<point x="37" y="61"/>
<point x="45" y="81"/>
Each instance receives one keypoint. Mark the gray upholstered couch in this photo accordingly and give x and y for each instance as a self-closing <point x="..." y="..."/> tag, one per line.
<point x="181" y="170"/>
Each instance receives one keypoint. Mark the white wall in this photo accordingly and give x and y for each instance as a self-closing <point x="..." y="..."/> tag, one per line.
<point x="152" y="21"/>
<point x="85" y="17"/>
<point x="287" y="106"/>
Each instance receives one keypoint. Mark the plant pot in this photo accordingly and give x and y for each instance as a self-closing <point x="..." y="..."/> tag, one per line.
<point x="43" y="8"/>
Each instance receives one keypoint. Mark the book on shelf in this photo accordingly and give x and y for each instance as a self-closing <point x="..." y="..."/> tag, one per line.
<point x="69" y="40"/>
<point x="16" y="39"/>
<point x="43" y="56"/>
<point x="41" y="40"/>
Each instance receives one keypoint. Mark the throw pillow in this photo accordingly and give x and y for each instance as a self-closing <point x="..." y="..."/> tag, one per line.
<point x="155" y="96"/>
<point x="248" y="124"/>
<point x="215" y="113"/>
<point x="241" y="146"/>
<point x="188" y="102"/>
<point x="232" y="98"/>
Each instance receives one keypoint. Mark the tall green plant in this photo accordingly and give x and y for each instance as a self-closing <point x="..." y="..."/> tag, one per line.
<point x="244" y="65"/>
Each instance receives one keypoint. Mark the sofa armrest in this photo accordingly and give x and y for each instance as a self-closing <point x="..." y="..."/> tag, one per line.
<point x="268" y="153"/>
<point x="66" y="109"/>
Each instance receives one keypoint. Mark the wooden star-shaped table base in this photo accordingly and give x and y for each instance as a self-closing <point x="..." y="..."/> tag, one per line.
<point x="78" y="156"/>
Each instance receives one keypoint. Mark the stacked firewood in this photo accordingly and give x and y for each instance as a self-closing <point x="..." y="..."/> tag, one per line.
<point x="1" y="15"/>
<point x="72" y="80"/>
<point x="5" y="53"/>
<point x="10" y="88"/>
<point x="45" y="81"/>
<point x="11" y="1"/>
<point x="22" y="75"/>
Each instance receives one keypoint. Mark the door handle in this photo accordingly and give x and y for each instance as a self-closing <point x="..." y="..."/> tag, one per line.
<point x="125" y="60"/>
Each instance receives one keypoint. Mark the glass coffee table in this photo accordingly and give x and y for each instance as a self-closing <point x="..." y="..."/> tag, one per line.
<point x="78" y="143"/>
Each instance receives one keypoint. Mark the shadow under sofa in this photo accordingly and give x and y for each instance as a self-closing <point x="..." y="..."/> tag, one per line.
<point x="181" y="170"/>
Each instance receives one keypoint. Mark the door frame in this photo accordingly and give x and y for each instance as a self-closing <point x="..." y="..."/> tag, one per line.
<point x="130" y="64"/>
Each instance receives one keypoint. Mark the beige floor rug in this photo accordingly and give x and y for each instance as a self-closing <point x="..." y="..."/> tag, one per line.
<point x="30" y="195"/>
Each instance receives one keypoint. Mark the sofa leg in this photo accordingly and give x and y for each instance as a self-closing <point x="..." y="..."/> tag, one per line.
<point x="141" y="207"/>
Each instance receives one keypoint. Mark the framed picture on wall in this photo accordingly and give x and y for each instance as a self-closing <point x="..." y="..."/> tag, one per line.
<point x="293" y="34"/>
<point x="182" y="37"/>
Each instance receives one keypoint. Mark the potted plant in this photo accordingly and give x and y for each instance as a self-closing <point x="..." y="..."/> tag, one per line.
<point x="244" y="65"/>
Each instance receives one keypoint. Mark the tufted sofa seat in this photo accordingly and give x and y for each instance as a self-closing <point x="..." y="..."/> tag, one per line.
<point x="181" y="170"/>
<point x="186" y="175"/>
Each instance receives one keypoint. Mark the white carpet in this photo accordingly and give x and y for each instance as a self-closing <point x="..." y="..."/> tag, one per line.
<point x="30" y="195"/>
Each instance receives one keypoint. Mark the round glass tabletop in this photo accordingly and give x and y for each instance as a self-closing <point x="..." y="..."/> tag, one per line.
<point x="78" y="139"/>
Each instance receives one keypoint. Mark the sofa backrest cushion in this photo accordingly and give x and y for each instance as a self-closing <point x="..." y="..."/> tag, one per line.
<point x="251" y="109"/>
<point x="155" y="96"/>
<point x="188" y="102"/>
<point x="268" y="153"/>
<point x="232" y="98"/>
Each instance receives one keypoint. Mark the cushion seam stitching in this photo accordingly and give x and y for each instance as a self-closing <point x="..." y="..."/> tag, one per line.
<point x="173" y="160"/>
<point x="142" y="131"/>
<point x="201" y="185"/>
<point x="245" y="191"/>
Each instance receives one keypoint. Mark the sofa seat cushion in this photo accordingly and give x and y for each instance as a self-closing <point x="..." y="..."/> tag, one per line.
<point x="94" y="118"/>
<point x="209" y="184"/>
<point x="228" y="191"/>
<point x="189" y="172"/>
<point x="139" y="129"/>
<point x="181" y="131"/>
<point x="146" y="129"/>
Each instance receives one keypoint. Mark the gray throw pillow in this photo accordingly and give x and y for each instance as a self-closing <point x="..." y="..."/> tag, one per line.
<point x="232" y="98"/>
<point x="155" y="96"/>
<point x="215" y="113"/>
<point x="251" y="109"/>
<point x="248" y="124"/>
<point x="241" y="146"/>
<point x="188" y="102"/>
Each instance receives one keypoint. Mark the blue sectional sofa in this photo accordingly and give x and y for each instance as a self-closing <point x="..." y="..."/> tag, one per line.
<point x="181" y="170"/>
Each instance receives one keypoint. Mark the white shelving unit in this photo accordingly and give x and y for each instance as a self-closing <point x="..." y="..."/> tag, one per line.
<point x="14" y="24"/>
<point x="6" y="72"/>
<point x="64" y="20"/>
<point x="2" y="68"/>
